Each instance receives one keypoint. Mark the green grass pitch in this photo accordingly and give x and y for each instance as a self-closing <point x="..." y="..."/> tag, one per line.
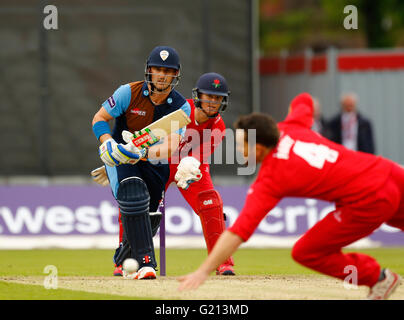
<point x="90" y="263"/>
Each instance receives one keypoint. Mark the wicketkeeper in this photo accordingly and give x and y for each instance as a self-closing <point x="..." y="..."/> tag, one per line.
<point x="190" y="162"/>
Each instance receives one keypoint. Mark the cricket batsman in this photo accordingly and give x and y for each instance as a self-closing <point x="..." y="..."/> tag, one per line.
<point x="189" y="166"/>
<point x="137" y="185"/>
<point x="367" y="190"/>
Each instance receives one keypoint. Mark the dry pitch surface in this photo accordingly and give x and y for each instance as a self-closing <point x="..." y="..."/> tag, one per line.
<point x="225" y="288"/>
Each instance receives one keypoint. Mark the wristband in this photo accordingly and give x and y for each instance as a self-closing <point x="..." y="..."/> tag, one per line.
<point x="100" y="128"/>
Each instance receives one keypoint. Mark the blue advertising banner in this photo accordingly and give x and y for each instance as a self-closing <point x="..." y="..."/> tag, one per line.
<point x="92" y="210"/>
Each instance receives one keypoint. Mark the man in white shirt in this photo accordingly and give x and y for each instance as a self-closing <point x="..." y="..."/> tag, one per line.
<point x="350" y="128"/>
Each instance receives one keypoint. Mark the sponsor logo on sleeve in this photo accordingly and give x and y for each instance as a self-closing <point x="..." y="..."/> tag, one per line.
<point x="111" y="102"/>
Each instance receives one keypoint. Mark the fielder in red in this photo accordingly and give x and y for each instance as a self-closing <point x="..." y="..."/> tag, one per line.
<point x="367" y="190"/>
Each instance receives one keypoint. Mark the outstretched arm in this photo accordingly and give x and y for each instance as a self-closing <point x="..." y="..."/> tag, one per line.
<point x="225" y="246"/>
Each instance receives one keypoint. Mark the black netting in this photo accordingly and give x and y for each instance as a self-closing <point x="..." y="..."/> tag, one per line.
<point x="52" y="82"/>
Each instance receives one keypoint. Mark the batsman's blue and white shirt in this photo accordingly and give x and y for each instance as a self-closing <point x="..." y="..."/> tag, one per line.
<point x="132" y="109"/>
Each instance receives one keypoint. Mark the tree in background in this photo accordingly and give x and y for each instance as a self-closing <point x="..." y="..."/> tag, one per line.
<point x="298" y="24"/>
<point x="383" y="21"/>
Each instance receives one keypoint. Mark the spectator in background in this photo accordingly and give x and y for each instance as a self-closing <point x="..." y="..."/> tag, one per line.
<point x="350" y="128"/>
<point x="320" y="125"/>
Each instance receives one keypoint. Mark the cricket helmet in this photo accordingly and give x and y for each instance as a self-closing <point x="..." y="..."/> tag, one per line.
<point x="214" y="84"/>
<point x="163" y="56"/>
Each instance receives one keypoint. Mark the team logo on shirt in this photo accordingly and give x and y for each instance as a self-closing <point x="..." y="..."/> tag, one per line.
<point x="111" y="102"/>
<point x="164" y="55"/>
<point x="138" y="112"/>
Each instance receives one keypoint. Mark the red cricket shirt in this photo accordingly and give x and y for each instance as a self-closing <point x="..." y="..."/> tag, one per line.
<point x="305" y="164"/>
<point x="200" y="140"/>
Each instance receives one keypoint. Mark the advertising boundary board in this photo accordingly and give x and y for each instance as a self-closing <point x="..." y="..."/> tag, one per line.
<point x="87" y="217"/>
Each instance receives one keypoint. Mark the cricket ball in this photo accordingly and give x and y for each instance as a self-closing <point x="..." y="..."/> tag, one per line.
<point x="130" y="265"/>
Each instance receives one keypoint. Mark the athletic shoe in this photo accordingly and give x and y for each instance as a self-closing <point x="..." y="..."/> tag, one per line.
<point x="384" y="288"/>
<point x="145" y="273"/>
<point x="118" y="271"/>
<point x="225" y="270"/>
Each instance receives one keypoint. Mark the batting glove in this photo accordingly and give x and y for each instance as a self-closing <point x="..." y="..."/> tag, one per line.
<point x="114" y="154"/>
<point x="106" y="153"/>
<point x="128" y="153"/>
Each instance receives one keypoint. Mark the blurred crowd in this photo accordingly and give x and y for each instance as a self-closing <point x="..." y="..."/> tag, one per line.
<point x="349" y="127"/>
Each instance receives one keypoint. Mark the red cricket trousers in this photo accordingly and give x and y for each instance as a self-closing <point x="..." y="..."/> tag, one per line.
<point x="320" y="247"/>
<point x="211" y="231"/>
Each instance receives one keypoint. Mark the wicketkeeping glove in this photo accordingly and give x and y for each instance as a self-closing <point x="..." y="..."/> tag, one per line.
<point x="187" y="172"/>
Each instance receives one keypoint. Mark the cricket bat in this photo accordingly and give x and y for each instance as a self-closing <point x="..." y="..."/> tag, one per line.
<point x="159" y="129"/>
